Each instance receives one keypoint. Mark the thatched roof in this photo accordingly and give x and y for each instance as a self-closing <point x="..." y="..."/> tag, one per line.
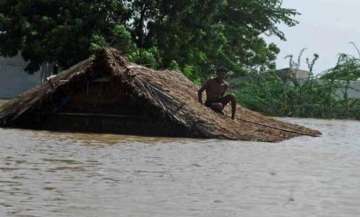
<point x="169" y="91"/>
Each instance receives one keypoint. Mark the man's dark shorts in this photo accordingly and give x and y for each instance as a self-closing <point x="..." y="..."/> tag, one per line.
<point x="223" y="101"/>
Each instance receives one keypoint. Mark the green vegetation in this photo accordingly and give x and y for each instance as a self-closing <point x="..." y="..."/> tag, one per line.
<point x="193" y="36"/>
<point x="325" y="97"/>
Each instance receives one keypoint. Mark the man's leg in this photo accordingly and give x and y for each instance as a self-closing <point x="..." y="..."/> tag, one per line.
<point x="217" y="107"/>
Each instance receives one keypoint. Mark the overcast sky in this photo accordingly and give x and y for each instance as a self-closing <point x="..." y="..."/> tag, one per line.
<point x="326" y="27"/>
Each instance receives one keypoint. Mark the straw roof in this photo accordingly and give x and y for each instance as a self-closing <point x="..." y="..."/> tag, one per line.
<point x="169" y="91"/>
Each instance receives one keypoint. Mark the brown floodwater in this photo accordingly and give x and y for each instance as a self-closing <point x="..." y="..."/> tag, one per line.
<point x="50" y="174"/>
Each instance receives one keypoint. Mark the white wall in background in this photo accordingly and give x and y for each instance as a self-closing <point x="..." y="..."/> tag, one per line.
<point x="13" y="79"/>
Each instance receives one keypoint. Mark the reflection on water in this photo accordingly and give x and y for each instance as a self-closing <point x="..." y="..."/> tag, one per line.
<point x="82" y="175"/>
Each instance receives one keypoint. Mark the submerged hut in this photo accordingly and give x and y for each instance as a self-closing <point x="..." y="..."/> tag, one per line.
<point x="107" y="93"/>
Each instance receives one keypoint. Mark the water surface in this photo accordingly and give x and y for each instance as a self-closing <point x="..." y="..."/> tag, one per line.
<point x="90" y="175"/>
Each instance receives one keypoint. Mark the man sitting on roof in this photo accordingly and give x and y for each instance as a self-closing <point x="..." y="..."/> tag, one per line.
<point x="215" y="93"/>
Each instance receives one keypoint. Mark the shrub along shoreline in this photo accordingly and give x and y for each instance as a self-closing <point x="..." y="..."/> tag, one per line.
<point x="314" y="98"/>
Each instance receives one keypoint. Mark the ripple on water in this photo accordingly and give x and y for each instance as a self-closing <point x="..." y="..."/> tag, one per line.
<point x="63" y="174"/>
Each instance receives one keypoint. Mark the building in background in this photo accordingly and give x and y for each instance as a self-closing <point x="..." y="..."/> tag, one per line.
<point x="290" y="74"/>
<point x="14" y="80"/>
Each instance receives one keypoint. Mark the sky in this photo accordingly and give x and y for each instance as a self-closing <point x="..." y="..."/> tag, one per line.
<point x="326" y="27"/>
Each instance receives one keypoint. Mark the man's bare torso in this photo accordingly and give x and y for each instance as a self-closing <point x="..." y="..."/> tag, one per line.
<point x="215" y="95"/>
<point x="215" y="89"/>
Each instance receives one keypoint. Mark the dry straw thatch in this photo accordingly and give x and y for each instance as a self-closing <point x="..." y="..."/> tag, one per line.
<point x="170" y="92"/>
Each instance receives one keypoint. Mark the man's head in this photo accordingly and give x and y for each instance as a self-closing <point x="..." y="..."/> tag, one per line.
<point x="221" y="73"/>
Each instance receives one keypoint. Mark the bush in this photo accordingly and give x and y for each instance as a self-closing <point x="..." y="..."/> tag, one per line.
<point x="267" y="93"/>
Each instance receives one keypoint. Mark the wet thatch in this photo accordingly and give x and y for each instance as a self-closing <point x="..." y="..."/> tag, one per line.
<point x="162" y="103"/>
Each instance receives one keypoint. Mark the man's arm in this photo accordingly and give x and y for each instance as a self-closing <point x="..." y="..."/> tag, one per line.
<point x="226" y="88"/>
<point x="201" y="90"/>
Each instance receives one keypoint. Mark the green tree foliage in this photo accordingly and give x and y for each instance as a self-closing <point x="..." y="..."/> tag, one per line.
<point x="192" y="35"/>
<point x="346" y="69"/>
<point x="56" y="31"/>
<point x="346" y="72"/>
<point x="202" y="34"/>
<point x="320" y="98"/>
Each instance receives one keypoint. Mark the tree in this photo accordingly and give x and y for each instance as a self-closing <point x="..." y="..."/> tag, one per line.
<point x="56" y="31"/>
<point x="196" y="36"/>
<point x="213" y="32"/>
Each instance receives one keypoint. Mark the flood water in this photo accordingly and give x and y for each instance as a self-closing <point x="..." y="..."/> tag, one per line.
<point x="82" y="175"/>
